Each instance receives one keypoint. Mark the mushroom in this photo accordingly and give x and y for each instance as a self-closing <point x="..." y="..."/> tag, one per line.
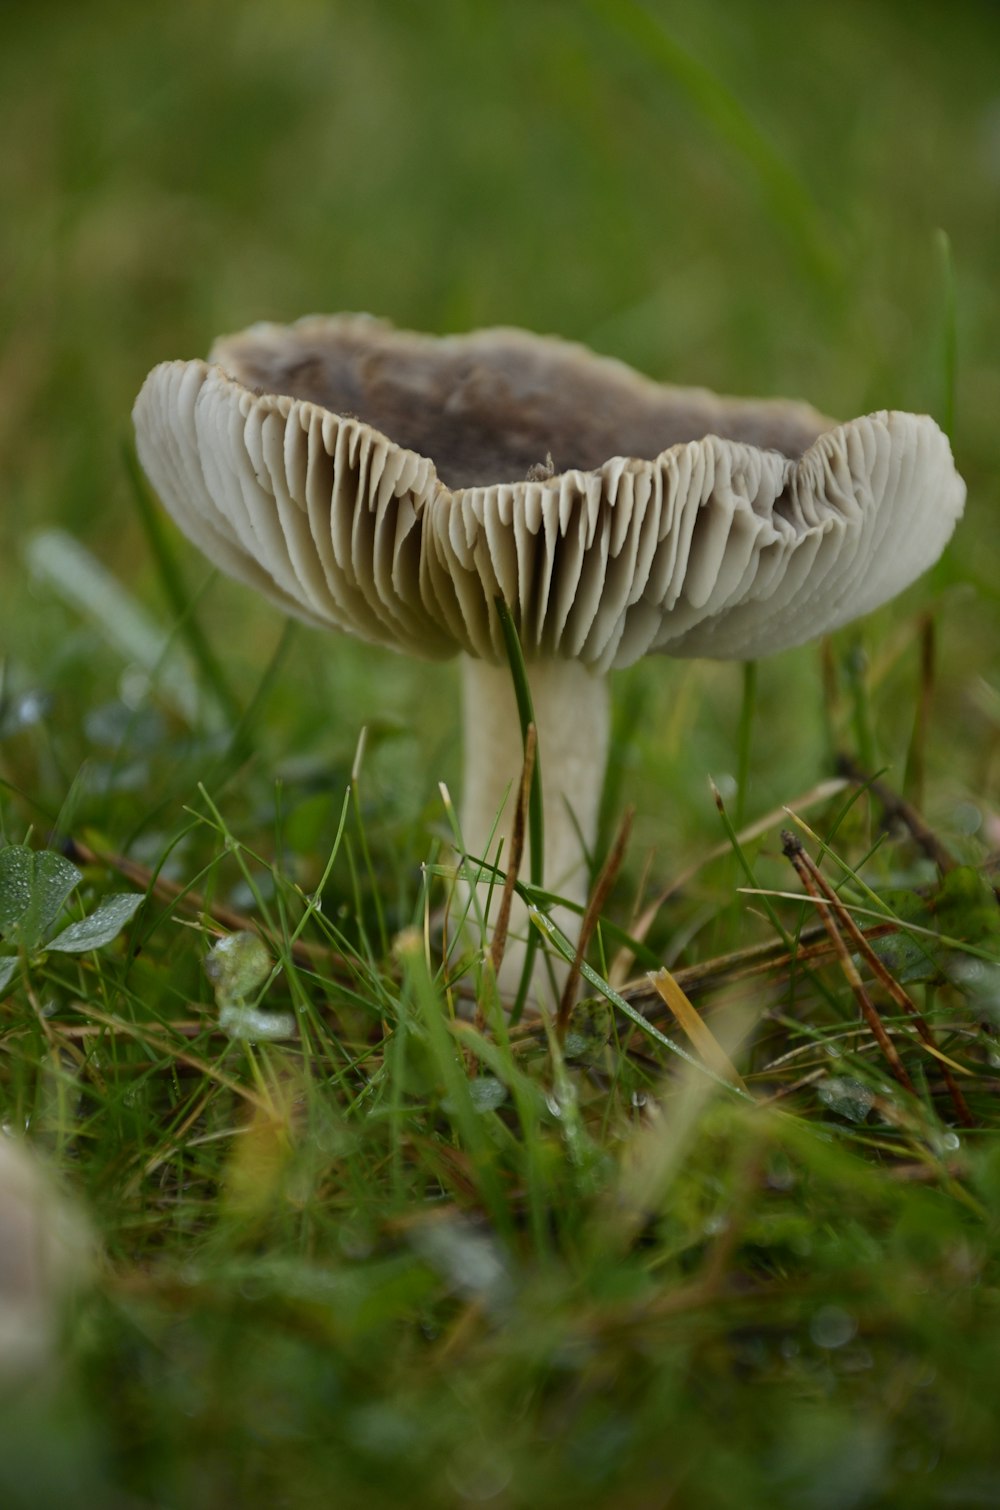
<point x="394" y="485"/>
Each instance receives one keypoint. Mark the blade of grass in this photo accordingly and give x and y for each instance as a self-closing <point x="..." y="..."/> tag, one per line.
<point x="882" y="915"/>
<point x="376" y="890"/>
<point x="914" y="775"/>
<point x="804" y="865"/>
<point x="516" y="852"/>
<point x="536" y="822"/>
<point x="949" y="344"/>
<point x="633" y="939"/>
<point x="563" y="946"/>
<point x="856" y="666"/>
<point x="240" y="740"/>
<point x="748" y="705"/>
<point x="745" y="866"/>
<point x="79" y="579"/>
<point x="786" y="193"/>
<point x="526" y="714"/>
<point x="694" y="1025"/>
<point x="468" y="1122"/>
<point x="598" y="896"/>
<point x="895" y="806"/>
<point x="175" y="591"/>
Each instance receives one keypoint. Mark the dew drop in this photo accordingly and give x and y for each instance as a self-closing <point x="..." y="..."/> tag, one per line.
<point x="832" y="1327"/>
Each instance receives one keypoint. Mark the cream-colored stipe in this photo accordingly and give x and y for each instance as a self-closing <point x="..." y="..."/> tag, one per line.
<point x="571" y="715"/>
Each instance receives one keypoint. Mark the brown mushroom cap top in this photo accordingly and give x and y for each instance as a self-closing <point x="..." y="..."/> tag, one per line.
<point x="490" y="406"/>
<point x="393" y="485"/>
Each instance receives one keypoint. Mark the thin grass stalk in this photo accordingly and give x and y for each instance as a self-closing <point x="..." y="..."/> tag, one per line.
<point x="744" y="740"/>
<point x="562" y="946"/>
<point x="896" y="807"/>
<point x="789" y="197"/>
<point x="792" y="848"/>
<point x="176" y="593"/>
<point x="595" y="905"/>
<point x="916" y="774"/>
<point x="856" y="665"/>
<point x="884" y="976"/>
<point x="536" y="820"/>
<point x="949" y="344"/>
<point x="502" y="923"/>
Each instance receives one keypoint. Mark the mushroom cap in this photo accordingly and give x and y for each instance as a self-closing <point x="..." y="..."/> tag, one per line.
<point x="393" y="485"/>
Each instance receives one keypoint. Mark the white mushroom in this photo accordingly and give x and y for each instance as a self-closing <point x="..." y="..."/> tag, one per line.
<point x="393" y="485"/>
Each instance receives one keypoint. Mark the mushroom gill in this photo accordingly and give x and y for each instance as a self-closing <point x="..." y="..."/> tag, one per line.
<point x="395" y="485"/>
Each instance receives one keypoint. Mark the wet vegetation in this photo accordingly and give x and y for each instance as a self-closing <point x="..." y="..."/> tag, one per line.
<point x="728" y="1234"/>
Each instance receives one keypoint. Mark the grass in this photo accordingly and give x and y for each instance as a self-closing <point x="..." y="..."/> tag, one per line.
<point x="403" y="1257"/>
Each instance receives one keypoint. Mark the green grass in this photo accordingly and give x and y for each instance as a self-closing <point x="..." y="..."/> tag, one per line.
<point x="403" y="1258"/>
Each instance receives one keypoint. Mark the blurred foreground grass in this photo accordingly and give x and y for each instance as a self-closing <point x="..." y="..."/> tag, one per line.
<point x="334" y="1271"/>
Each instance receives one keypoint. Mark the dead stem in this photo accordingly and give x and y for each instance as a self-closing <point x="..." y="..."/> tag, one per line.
<point x="803" y="864"/>
<point x="746" y="964"/>
<point x="792" y="848"/>
<point x="598" y="897"/>
<point x="640" y="926"/>
<point x="895" y="807"/>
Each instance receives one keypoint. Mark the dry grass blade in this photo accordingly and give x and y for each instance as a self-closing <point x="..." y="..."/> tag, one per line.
<point x="595" y="906"/>
<point x="692" y="1023"/>
<point x="641" y="925"/>
<point x="767" y="958"/>
<point x="884" y="976"/>
<point x="792" y="848"/>
<point x="152" y="1038"/>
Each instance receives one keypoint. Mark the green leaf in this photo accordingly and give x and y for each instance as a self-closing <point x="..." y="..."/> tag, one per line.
<point x="238" y="966"/>
<point x="34" y="887"/>
<point x="966" y="907"/>
<point x="101" y="926"/>
<point x="962" y="910"/>
<point x="8" y="966"/>
<point x="55" y="879"/>
<point x="16" y="876"/>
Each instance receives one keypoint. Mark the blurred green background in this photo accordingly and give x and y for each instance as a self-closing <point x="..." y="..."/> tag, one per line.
<point x="744" y="195"/>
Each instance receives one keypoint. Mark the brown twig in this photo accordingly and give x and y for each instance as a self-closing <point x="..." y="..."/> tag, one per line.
<point x="895" y="807"/>
<point x="595" y="906"/>
<point x="888" y="981"/>
<point x="303" y="954"/>
<point x="640" y="925"/>
<point x="746" y="964"/>
<point x="792" y="847"/>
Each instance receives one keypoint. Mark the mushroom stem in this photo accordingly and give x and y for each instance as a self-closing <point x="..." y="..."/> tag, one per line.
<point x="571" y="718"/>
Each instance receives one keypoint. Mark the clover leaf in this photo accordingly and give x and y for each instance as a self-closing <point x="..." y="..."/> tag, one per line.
<point x="35" y="886"/>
